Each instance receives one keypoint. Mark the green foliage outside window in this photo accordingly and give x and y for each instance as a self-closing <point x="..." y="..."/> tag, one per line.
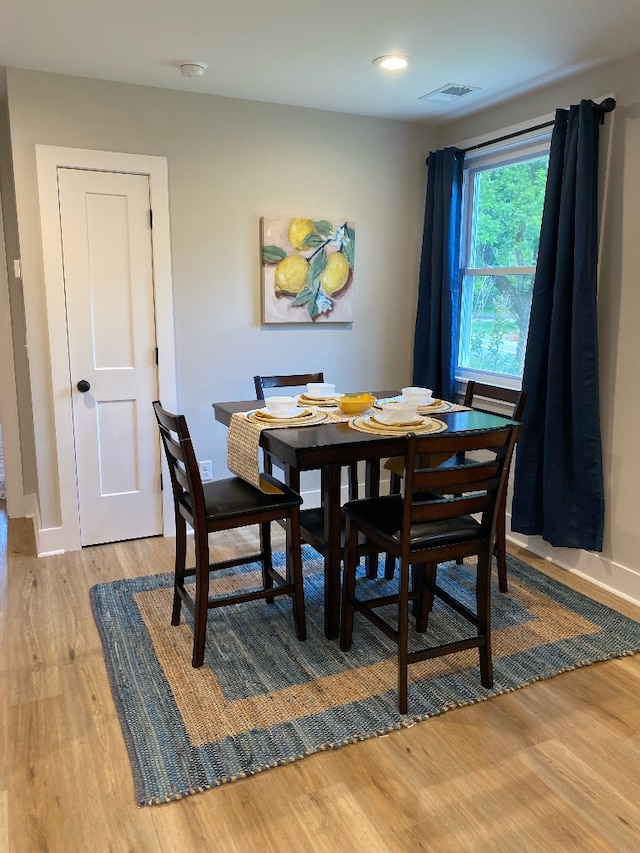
<point x="507" y="214"/>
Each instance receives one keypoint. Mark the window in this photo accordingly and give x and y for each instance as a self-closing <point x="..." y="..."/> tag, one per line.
<point x="503" y="195"/>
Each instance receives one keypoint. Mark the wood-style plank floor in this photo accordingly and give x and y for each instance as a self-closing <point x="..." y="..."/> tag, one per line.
<point x="552" y="767"/>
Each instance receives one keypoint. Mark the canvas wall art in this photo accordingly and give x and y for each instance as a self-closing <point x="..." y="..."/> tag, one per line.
<point x="307" y="270"/>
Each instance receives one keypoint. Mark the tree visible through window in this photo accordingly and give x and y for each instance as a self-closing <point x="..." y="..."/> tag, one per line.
<point x="503" y="212"/>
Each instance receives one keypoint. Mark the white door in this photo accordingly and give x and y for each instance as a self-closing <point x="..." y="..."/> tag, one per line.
<point x="108" y="280"/>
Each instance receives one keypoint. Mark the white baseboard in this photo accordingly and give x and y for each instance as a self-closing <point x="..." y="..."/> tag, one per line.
<point x="617" y="579"/>
<point x="49" y="540"/>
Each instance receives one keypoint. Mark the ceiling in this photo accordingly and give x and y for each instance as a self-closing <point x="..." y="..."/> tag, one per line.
<point x="320" y="54"/>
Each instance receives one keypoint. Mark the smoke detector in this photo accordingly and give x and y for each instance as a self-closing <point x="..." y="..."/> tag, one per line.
<point x="193" y="69"/>
<point x="450" y="92"/>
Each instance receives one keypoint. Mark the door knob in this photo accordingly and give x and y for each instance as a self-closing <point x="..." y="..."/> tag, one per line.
<point x="83" y="386"/>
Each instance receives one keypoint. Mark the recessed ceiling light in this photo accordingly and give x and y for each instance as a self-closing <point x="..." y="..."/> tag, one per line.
<point x="391" y="62"/>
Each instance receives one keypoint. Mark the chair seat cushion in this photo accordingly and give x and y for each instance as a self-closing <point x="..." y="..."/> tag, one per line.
<point x="234" y="497"/>
<point x="384" y="515"/>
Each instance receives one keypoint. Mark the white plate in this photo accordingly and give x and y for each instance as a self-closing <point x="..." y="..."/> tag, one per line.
<point x="293" y="413"/>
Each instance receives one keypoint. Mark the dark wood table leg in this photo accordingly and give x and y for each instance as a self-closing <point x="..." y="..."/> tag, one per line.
<point x="292" y="479"/>
<point x="333" y="554"/>
<point x="372" y="490"/>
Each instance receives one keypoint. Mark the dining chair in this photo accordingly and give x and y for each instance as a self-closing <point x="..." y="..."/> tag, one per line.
<point x="483" y="398"/>
<point x="444" y="513"/>
<point x="294" y="381"/>
<point x="219" y="505"/>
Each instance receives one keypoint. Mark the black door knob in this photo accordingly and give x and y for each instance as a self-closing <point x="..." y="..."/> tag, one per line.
<point x="83" y="386"/>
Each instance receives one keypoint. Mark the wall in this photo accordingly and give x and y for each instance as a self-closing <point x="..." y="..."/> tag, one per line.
<point x="618" y="566"/>
<point x="230" y="162"/>
<point x="15" y="397"/>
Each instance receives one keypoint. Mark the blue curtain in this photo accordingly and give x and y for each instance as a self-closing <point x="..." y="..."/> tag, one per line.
<point x="558" y="489"/>
<point x="436" y="332"/>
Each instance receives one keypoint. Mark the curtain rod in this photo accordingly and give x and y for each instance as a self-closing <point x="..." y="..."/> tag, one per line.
<point x="607" y="106"/>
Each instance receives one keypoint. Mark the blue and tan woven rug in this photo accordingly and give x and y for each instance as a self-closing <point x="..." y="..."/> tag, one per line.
<point x="263" y="699"/>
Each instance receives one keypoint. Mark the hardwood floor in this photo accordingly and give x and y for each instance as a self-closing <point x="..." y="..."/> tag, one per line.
<point x="551" y="767"/>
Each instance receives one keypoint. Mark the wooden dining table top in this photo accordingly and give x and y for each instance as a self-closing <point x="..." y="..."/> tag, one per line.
<point x="328" y="447"/>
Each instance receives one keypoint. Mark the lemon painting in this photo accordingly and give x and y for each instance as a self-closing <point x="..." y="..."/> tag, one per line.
<point x="307" y="270"/>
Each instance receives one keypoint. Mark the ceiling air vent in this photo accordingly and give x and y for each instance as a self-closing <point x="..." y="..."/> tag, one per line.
<point x="450" y="92"/>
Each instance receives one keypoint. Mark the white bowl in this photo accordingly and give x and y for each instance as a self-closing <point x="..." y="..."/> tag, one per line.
<point x="401" y="412"/>
<point x="418" y="396"/>
<point x="320" y="389"/>
<point x="281" y="407"/>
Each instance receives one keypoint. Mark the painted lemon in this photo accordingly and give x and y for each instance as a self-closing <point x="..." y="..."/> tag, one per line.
<point x="335" y="274"/>
<point x="298" y="231"/>
<point x="291" y="274"/>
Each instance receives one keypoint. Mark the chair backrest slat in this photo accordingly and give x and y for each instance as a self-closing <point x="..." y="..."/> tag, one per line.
<point x="181" y="459"/>
<point x="469" y="476"/>
<point x="292" y="380"/>
<point x="516" y="398"/>
<point x="452" y="507"/>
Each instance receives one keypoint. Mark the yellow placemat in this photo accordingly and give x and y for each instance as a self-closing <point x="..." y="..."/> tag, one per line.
<point x="243" y="444"/>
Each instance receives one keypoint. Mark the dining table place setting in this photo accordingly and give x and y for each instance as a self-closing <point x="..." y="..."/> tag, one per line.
<point x="426" y="404"/>
<point x="319" y="395"/>
<point x="405" y="413"/>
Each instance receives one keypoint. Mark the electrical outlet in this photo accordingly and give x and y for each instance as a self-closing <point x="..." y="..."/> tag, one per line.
<point x="205" y="469"/>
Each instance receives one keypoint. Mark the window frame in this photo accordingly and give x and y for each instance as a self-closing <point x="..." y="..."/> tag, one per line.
<point x="500" y="154"/>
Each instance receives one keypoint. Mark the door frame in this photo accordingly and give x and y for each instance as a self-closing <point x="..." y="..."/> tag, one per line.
<point x="48" y="160"/>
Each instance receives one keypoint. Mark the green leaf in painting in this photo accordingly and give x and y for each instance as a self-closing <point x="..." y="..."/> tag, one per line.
<point x="272" y="254"/>
<point x="324" y="227"/>
<point x="349" y="245"/>
<point x="313" y="240"/>
<point x="316" y="267"/>
<point x="303" y="297"/>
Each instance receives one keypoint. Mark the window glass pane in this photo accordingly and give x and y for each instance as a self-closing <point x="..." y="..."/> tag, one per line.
<point x="507" y="212"/>
<point x="494" y="322"/>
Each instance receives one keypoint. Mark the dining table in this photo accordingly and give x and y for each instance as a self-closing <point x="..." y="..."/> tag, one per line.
<point x="327" y="447"/>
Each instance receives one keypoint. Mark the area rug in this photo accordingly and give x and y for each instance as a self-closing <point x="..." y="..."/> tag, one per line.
<point x="264" y="699"/>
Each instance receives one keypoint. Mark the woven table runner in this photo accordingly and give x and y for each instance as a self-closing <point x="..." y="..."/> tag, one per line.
<point x="243" y="445"/>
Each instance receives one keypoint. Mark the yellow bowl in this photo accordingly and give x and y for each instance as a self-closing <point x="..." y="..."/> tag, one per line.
<point x="355" y="404"/>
